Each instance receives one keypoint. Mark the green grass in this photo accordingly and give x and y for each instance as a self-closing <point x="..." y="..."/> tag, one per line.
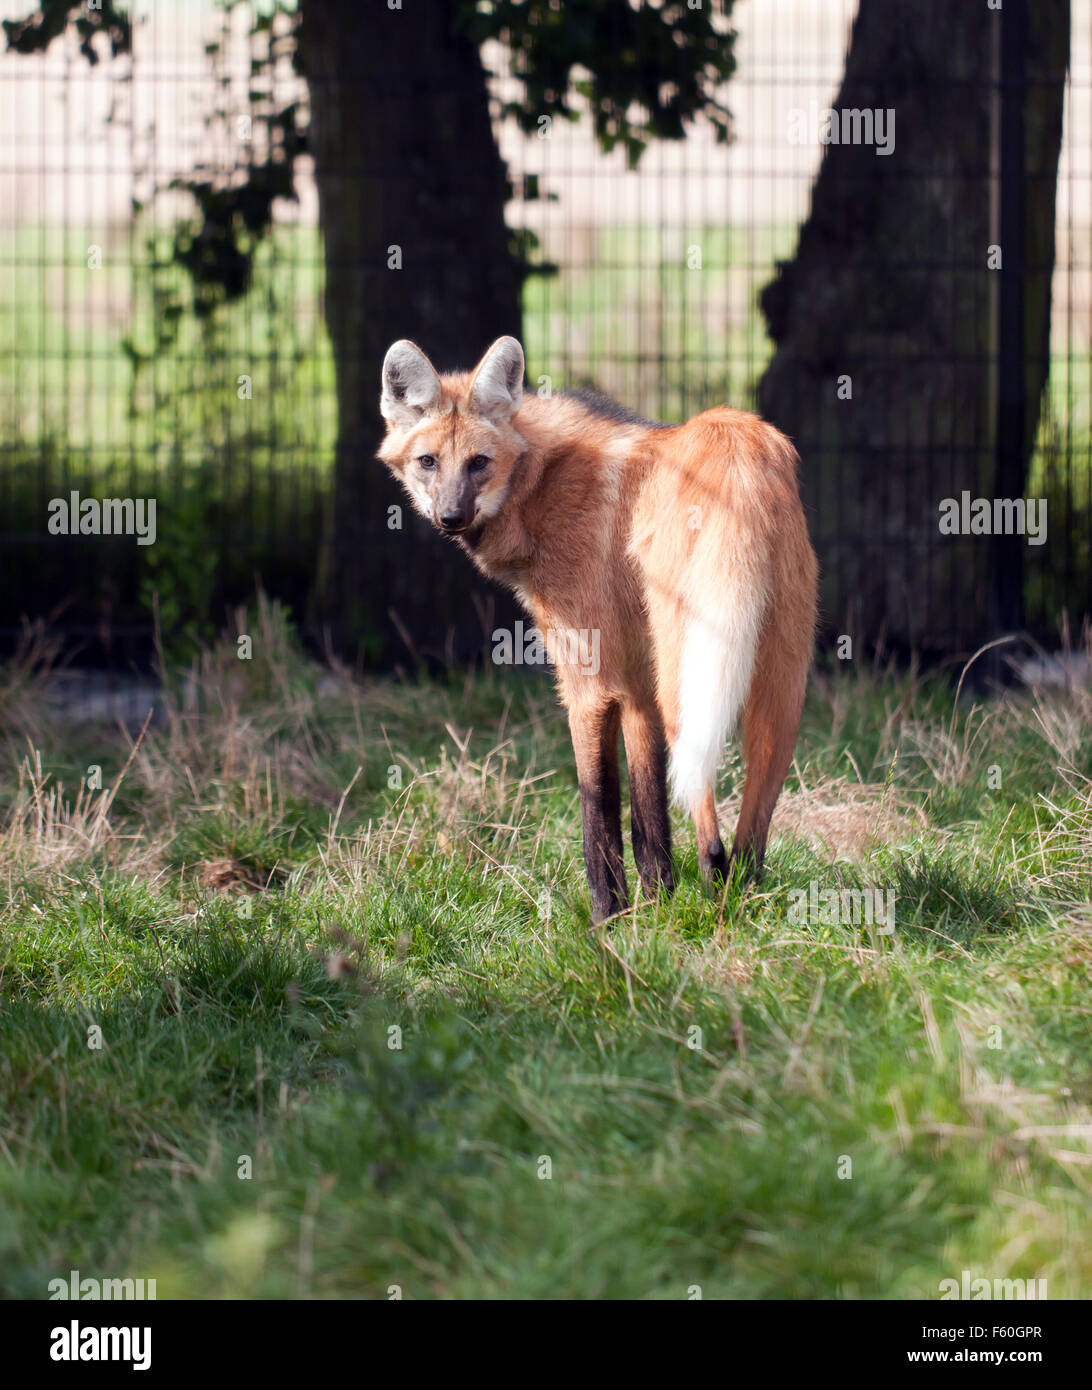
<point x="571" y="1113"/>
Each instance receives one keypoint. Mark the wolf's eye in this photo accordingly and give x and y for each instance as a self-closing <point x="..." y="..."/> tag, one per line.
<point x="477" y="463"/>
<point x="427" y="461"/>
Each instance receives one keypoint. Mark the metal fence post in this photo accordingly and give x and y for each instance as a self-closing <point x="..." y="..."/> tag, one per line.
<point x="1007" y="569"/>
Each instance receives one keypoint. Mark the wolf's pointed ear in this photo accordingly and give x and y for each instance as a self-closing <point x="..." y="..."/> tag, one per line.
<point x="496" y="389"/>
<point x="411" y="387"/>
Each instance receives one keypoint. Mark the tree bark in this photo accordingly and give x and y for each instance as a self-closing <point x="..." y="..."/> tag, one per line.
<point x="408" y="173"/>
<point x="890" y="287"/>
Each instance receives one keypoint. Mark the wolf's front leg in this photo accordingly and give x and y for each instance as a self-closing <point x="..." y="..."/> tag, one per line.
<point x="646" y="754"/>
<point x="595" y="727"/>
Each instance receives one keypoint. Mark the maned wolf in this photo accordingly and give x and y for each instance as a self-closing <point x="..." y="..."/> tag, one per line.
<point x="684" y="548"/>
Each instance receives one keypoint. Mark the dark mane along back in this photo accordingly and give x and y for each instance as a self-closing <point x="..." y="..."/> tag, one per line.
<point x="603" y="406"/>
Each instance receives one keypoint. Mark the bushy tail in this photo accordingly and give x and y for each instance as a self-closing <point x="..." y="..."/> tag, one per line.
<point x="709" y="541"/>
<point x="718" y="657"/>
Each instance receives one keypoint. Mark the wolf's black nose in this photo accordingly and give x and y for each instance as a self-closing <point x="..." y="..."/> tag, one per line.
<point x="451" y="521"/>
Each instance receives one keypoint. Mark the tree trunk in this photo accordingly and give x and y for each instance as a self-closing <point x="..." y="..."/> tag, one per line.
<point x="408" y="174"/>
<point x="890" y="288"/>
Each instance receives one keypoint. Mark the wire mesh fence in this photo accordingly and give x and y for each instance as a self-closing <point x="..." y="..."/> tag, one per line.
<point x="125" y="375"/>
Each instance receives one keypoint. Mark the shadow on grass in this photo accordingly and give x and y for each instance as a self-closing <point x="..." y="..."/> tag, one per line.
<point x="939" y="896"/>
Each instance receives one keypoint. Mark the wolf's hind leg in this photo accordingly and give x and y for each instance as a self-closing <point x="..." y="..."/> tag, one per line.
<point x="712" y="860"/>
<point x="771" y="722"/>
<point x="594" y="727"/>
<point x="643" y="731"/>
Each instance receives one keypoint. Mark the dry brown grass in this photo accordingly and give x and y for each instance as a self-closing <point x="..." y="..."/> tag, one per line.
<point x="839" y="817"/>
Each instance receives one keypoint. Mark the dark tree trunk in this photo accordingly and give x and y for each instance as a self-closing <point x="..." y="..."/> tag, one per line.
<point x="406" y="165"/>
<point x="890" y="287"/>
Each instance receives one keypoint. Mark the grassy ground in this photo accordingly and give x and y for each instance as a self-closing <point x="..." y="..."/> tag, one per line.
<point x="712" y="1094"/>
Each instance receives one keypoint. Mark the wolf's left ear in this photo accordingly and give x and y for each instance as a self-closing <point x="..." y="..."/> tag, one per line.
<point x="496" y="389"/>
<point x="411" y="387"/>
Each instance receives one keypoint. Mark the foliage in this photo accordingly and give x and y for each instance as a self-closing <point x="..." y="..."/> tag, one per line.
<point x="179" y="575"/>
<point x="35" y="33"/>
<point x="646" y="72"/>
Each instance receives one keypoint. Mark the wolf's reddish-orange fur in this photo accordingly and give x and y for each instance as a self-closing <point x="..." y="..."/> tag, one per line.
<point x="685" y="547"/>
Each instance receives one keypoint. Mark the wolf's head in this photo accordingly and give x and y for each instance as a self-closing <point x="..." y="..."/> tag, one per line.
<point x="451" y="441"/>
